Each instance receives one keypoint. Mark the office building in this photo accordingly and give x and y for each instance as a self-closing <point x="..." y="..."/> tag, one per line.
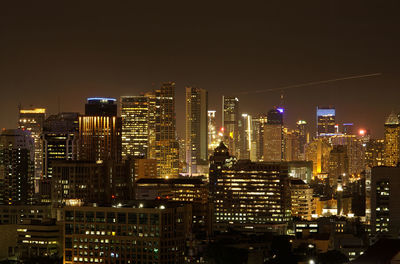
<point x="16" y="167"/>
<point x="230" y="123"/>
<point x="326" y="121"/>
<point x="252" y="197"/>
<point x="318" y="152"/>
<point x="392" y="140"/>
<point x="221" y="159"/>
<point x="101" y="106"/>
<point x="338" y="164"/>
<point x="164" y="146"/>
<point x="145" y="168"/>
<point x="32" y="120"/>
<point x="213" y="132"/>
<point x="246" y="136"/>
<point x="38" y="238"/>
<point x="258" y="136"/>
<point x="60" y="136"/>
<point x="374" y="153"/>
<point x="301" y="169"/>
<point x="135" y="126"/>
<point x="355" y="151"/>
<point x="192" y="190"/>
<point x="143" y="232"/>
<point x="196" y="130"/>
<point x="291" y="145"/>
<point x="100" y="131"/>
<point x="301" y="199"/>
<point x="17" y="214"/>
<point x="385" y="203"/>
<point x="92" y="182"/>
<point x="274" y="146"/>
<point x="304" y="136"/>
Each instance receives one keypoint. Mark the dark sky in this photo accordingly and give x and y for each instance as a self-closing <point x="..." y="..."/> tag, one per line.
<point x="75" y="49"/>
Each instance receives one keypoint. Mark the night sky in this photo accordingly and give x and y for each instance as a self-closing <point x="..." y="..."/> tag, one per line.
<point x="66" y="51"/>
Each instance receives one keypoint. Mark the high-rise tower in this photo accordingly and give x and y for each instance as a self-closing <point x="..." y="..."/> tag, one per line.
<point x="60" y="136"/>
<point x="100" y="131"/>
<point x="196" y="129"/>
<point x="274" y="146"/>
<point x="16" y="166"/>
<point x="32" y="120"/>
<point x="230" y="122"/>
<point x="163" y="143"/>
<point x="212" y="139"/>
<point x="392" y="140"/>
<point x="135" y="126"/>
<point x="326" y="121"/>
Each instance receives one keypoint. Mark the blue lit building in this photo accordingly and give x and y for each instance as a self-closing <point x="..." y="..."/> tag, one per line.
<point x="326" y="121"/>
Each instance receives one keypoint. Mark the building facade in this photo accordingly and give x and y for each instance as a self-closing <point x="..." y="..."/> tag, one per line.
<point x="392" y="140"/>
<point x="141" y="233"/>
<point x="326" y="121"/>
<point x="32" y="120"/>
<point x="253" y="197"/>
<point x="196" y="130"/>
<point x="274" y="143"/>
<point x="60" y="140"/>
<point x="100" y="131"/>
<point x="164" y="145"/>
<point x="16" y="167"/>
<point x="385" y="205"/>
<point x="230" y="123"/>
<point x="301" y="199"/>
<point x="135" y="126"/>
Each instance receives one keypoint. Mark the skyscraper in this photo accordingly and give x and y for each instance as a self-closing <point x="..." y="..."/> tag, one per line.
<point x="100" y="106"/>
<point x="338" y="164"/>
<point x="16" y="166"/>
<point x="274" y="146"/>
<point x="212" y="131"/>
<point x="392" y="140"/>
<point x="100" y="131"/>
<point x="135" y="126"/>
<point x="385" y="202"/>
<point x="230" y="122"/>
<point x="304" y="136"/>
<point x="318" y="152"/>
<point x="258" y="136"/>
<point x="246" y="136"/>
<point x="32" y="120"/>
<point x="326" y="121"/>
<point x="291" y="145"/>
<point x="196" y="130"/>
<point x="355" y="151"/>
<point x="374" y="153"/>
<point x="164" y="145"/>
<point x="60" y="136"/>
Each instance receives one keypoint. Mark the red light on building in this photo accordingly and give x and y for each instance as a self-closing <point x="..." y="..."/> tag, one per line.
<point x="362" y="132"/>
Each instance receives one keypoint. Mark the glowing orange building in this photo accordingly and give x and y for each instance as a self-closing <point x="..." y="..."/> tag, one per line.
<point x="100" y="135"/>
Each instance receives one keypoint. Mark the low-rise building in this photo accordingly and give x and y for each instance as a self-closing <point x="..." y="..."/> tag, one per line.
<point x="143" y="232"/>
<point x="39" y="238"/>
<point x="302" y="199"/>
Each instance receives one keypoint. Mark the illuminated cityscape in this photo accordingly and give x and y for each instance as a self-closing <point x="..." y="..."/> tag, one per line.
<point x="164" y="132"/>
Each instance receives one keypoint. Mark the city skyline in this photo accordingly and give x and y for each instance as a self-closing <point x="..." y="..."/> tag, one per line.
<point x="179" y="132"/>
<point x="109" y="51"/>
